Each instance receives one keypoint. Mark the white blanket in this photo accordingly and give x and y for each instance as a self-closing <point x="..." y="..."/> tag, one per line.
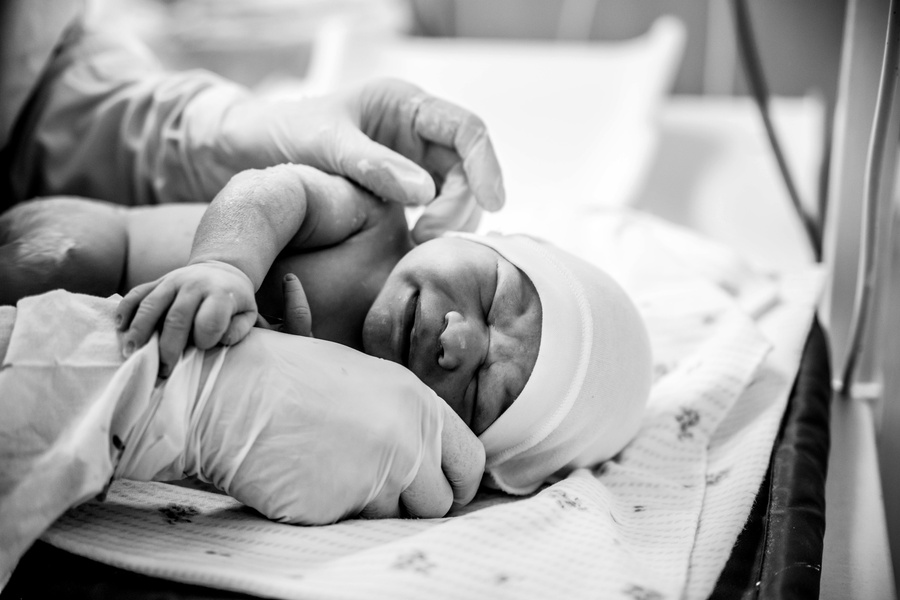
<point x="657" y="522"/>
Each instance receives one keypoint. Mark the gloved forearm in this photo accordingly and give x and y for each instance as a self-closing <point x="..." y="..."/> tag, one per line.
<point x="107" y="122"/>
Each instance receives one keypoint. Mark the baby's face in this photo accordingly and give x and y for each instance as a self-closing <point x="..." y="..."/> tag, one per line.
<point x="465" y="320"/>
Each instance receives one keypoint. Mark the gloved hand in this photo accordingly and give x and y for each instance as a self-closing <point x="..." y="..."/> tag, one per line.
<point x="388" y="136"/>
<point x="304" y="431"/>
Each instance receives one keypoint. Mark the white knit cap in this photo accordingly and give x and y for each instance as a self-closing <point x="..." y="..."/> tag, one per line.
<point x="586" y="395"/>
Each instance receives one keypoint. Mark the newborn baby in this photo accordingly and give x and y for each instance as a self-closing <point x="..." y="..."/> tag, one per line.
<point x="540" y="353"/>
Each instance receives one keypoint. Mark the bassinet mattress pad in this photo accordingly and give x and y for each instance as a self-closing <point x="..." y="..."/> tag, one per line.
<point x="656" y="522"/>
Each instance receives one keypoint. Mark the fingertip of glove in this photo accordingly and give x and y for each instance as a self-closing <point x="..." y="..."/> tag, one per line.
<point x="492" y="195"/>
<point x="402" y="181"/>
<point x="421" y="234"/>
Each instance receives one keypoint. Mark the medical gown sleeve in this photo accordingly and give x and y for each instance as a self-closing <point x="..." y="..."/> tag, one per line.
<point x="56" y="445"/>
<point x="107" y="122"/>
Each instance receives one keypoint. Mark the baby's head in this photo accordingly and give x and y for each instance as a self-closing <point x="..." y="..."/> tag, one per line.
<point x="542" y="354"/>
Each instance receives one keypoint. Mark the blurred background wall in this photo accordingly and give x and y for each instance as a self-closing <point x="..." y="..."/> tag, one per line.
<point x="250" y="40"/>
<point x="800" y="40"/>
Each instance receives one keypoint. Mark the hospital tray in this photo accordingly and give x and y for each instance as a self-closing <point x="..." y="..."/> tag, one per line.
<point x="779" y="552"/>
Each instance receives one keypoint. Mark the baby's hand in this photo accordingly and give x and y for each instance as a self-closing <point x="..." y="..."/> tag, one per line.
<point x="212" y="299"/>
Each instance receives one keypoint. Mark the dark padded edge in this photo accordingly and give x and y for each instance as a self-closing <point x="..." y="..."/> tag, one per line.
<point x="778" y="555"/>
<point x="48" y="572"/>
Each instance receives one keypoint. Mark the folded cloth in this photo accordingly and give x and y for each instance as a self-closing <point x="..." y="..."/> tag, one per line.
<point x="54" y="433"/>
<point x="586" y="394"/>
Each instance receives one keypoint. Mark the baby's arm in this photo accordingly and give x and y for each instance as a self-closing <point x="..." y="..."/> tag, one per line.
<point x="262" y="212"/>
<point x="253" y="219"/>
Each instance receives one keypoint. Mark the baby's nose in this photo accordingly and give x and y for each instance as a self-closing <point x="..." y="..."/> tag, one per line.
<point x="461" y="341"/>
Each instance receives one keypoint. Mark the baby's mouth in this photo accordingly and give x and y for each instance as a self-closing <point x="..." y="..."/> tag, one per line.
<point x="409" y="330"/>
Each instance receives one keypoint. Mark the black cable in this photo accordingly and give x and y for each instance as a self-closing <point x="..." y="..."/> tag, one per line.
<point x="865" y="279"/>
<point x="760" y="92"/>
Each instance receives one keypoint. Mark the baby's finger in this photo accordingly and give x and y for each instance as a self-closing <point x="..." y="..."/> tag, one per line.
<point x="177" y="329"/>
<point x="212" y="320"/>
<point x="297" y="316"/>
<point x="148" y="314"/>
<point x="129" y="304"/>
<point x="240" y="326"/>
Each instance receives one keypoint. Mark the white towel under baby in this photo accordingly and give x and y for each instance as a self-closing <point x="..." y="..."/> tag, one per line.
<point x="657" y="522"/>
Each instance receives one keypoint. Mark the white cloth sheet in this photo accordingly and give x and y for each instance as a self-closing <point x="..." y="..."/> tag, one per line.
<point x="657" y="522"/>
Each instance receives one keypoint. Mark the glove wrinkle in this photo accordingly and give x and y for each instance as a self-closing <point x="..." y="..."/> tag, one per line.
<point x="193" y="448"/>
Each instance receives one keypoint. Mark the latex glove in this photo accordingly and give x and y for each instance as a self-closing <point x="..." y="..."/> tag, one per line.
<point x="389" y="137"/>
<point x="306" y="431"/>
